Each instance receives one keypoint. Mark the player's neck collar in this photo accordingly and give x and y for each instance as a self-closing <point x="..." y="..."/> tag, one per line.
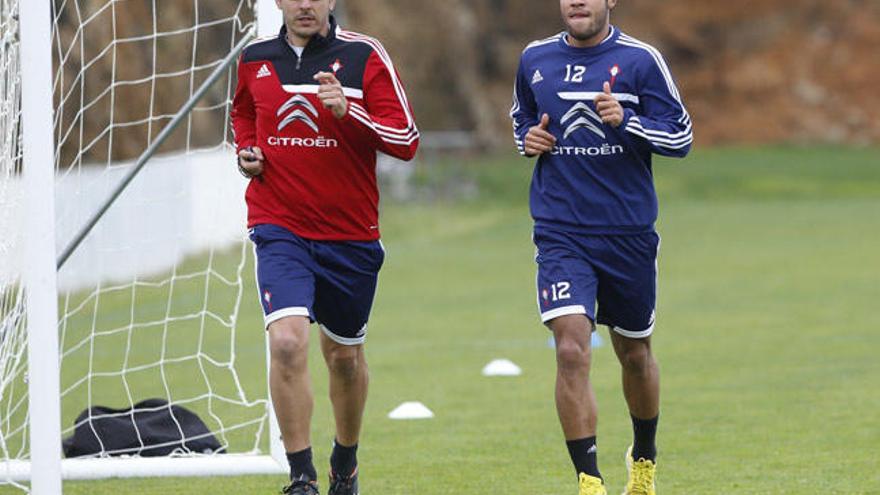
<point x="613" y="33"/>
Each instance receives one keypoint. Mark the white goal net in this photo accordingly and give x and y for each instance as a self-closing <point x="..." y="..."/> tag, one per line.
<point x="13" y="341"/>
<point x="156" y="302"/>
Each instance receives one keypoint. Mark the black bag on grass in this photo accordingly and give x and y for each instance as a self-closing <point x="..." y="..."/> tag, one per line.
<point x="117" y="431"/>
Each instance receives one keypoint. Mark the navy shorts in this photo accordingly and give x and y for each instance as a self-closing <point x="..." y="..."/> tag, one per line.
<point x="577" y="272"/>
<point x="330" y="282"/>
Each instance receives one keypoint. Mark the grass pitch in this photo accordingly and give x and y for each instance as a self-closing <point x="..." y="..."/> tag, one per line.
<point x="767" y="338"/>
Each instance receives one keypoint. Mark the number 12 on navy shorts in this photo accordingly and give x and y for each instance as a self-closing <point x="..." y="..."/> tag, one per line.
<point x="577" y="272"/>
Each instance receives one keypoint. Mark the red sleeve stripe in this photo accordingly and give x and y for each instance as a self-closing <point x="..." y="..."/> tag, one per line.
<point x="397" y="138"/>
<point x="392" y="132"/>
<point x="383" y="55"/>
<point x="405" y="139"/>
<point x="379" y="128"/>
<point x="388" y="140"/>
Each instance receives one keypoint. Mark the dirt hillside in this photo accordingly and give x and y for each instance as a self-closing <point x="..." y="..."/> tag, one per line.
<point x="751" y="71"/>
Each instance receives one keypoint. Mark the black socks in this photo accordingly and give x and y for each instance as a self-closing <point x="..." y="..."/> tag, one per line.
<point x="583" y="451"/>
<point x="301" y="467"/>
<point x="583" y="456"/>
<point x="343" y="460"/>
<point x="644" y="433"/>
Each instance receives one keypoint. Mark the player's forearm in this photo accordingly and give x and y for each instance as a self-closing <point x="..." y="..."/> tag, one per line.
<point x="521" y="126"/>
<point x="244" y="120"/>
<point x="665" y="137"/>
<point x="405" y="151"/>
<point x="245" y="133"/>
<point x="391" y="135"/>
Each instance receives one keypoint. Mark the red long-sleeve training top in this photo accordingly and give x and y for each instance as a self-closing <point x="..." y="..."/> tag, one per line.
<point x="319" y="177"/>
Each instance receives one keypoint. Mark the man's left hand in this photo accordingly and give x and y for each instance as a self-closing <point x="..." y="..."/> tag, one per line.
<point x="608" y="106"/>
<point x="331" y="95"/>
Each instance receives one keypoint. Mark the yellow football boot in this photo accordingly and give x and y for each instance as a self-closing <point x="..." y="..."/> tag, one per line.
<point x="641" y="476"/>
<point x="590" y="485"/>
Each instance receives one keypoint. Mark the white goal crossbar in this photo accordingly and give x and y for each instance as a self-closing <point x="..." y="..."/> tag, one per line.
<point x="148" y="467"/>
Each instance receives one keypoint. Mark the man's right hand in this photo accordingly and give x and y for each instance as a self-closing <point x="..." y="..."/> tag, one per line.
<point x="250" y="161"/>
<point x="538" y="141"/>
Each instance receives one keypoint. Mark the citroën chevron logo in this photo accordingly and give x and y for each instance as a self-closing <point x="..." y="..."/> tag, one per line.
<point x="579" y="116"/>
<point x="301" y="108"/>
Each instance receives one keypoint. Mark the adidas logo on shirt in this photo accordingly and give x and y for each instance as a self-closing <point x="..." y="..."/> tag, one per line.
<point x="537" y="77"/>
<point x="264" y="72"/>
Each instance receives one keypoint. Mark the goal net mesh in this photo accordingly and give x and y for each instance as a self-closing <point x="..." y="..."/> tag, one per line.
<point x="13" y="342"/>
<point x="151" y="304"/>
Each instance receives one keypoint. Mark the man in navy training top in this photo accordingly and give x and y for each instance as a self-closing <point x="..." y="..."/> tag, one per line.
<point x="594" y="104"/>
<point x="312" y="108"/>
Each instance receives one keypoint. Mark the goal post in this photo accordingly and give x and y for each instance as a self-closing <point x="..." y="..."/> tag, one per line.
<point x="39" y="271"/>
<point x="149" y="298"/>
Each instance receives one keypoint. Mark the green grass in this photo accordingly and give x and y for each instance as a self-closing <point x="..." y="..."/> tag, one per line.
<point x="767" y="337"/>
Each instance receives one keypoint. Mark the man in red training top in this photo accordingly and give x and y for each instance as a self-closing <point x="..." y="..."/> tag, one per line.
<point x="313" y="107"/>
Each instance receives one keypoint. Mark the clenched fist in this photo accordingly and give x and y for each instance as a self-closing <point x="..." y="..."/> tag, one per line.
<point x="538" y="140"/>
<point x="608" y="107"/>
<point x="250" y="161"/>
